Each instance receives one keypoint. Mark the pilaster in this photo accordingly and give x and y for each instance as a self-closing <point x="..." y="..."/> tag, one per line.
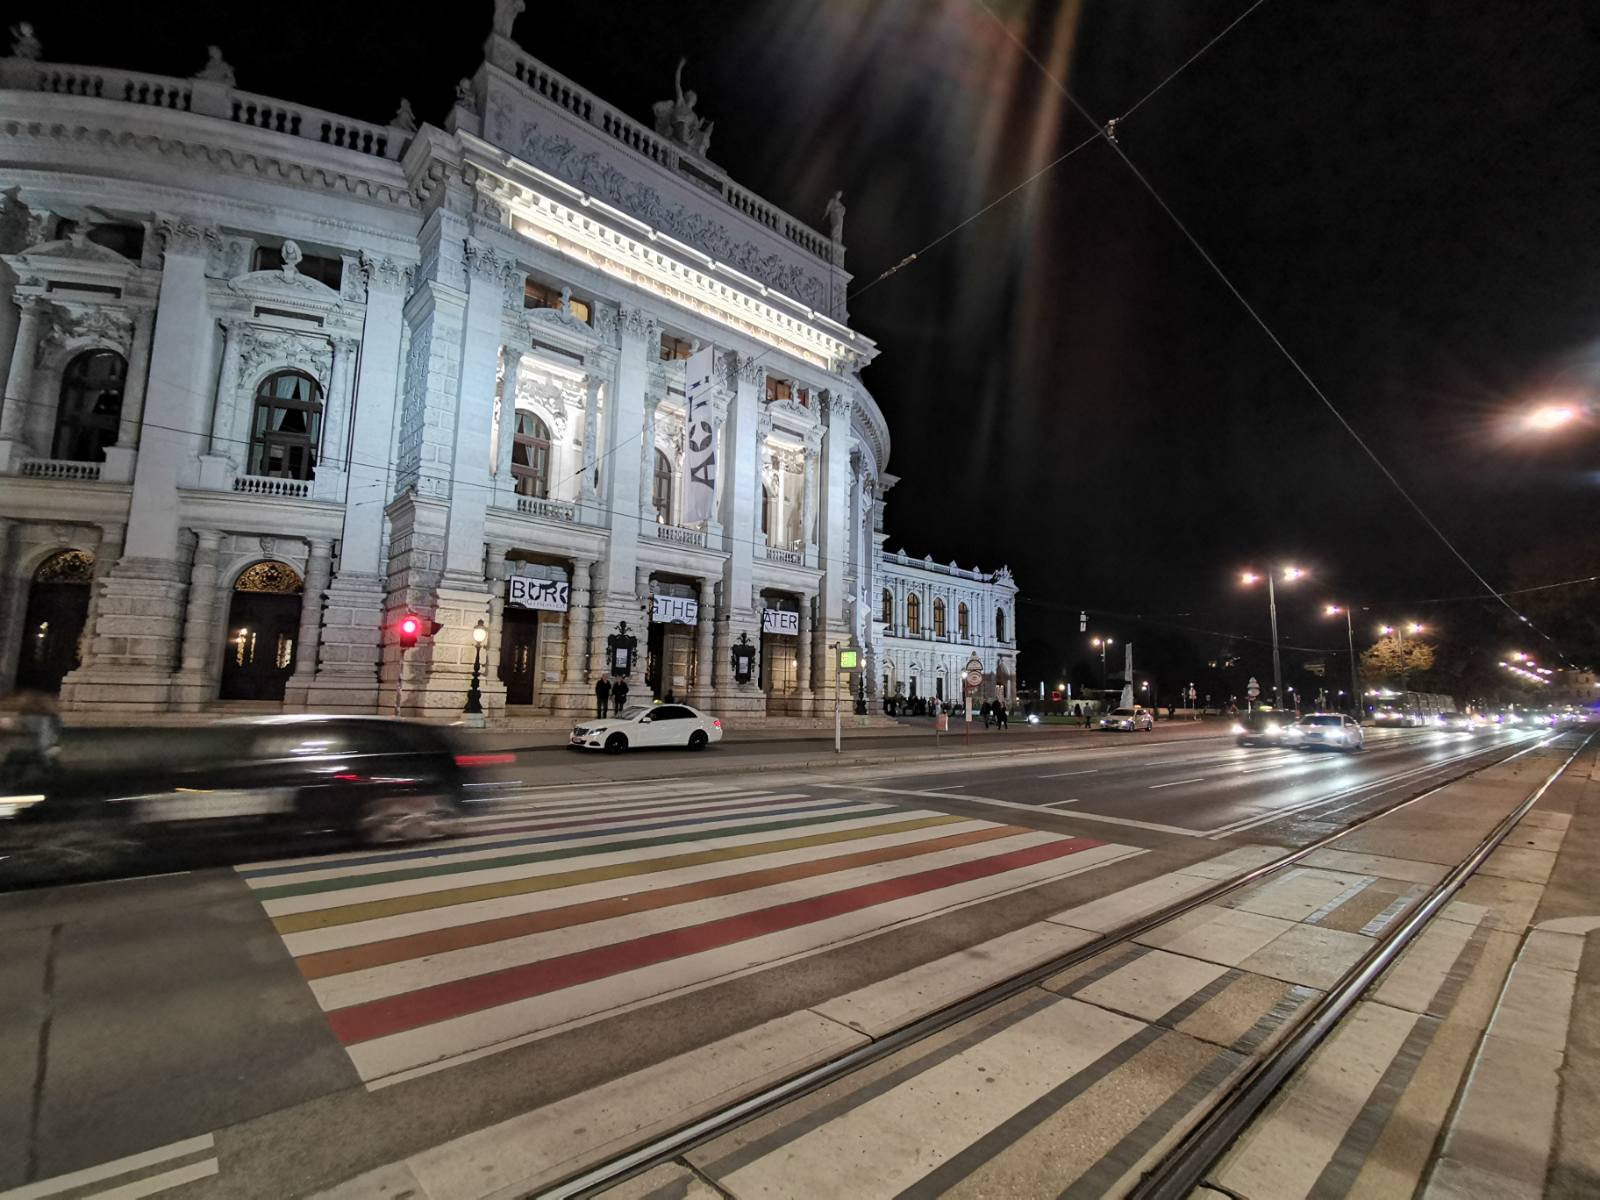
<point x="624" y="424"/>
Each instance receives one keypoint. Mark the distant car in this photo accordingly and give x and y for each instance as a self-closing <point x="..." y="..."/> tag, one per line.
<point x="648" y="725"/>
<point x="1334" y="730"/>
<point x="1264" y="727"/>
<point x="107" y="795"/>
<point x="1454" y="722"/>
<point x="1129" y="720"/>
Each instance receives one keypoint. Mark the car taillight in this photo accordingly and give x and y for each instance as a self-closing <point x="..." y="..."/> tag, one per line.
<point x="347" y="776"/>
<point x="716" y="724"/>
<point x="485" y="760"/>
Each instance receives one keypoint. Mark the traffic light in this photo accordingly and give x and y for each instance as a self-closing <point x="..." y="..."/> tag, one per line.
<point x="408" y="628"/>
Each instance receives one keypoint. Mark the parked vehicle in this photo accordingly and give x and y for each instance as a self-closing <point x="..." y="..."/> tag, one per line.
<point x="648" y="725"/>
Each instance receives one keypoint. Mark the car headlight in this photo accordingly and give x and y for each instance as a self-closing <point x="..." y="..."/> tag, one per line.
<point x="1237" y="727"/>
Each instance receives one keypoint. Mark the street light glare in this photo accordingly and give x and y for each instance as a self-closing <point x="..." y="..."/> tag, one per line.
<point x="1249" y="577"/>
<point x="1551" y="416"/>
<point x="1290" y="574"/>
<point x="1331" y="610"/>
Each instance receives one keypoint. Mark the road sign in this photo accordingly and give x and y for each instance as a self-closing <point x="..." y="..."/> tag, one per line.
<point x="1254" y="689"/>
<point x="849" y="660"/>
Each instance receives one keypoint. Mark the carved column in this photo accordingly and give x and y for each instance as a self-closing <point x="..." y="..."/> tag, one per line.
<point x="106" y="554"/>
<point x="197" y="631"/>
<point x="144" y="322"/>
<point x="721" y="643"/>
<point x="704" y="637"/>
<point x="578" y="613"/>
<point x="233" y="336"/>
<point x="647" y="461"/>
<point x="318" y="568"/>
<point x="506" y="428"/>
<point x="334" y="436"/>
<point x="496" y="571"/>
<point x="808" y="510"/>
<point x="19" y="383"/>
<point x="587" y="493"/>
<point x="802" y="649"/>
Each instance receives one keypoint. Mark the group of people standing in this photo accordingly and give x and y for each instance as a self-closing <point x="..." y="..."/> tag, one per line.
<point x="613" y="693"/>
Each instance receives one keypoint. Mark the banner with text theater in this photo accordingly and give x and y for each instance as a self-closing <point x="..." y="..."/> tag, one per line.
<point x="674" y="610"/>
<point x="780" y="621"/>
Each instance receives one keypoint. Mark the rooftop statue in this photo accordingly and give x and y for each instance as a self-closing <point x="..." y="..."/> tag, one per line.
<point x="23" y="43"/>
<point x="216" y="69"/>
<point x="835" y="216"/>
<point x="676" y="118"/>
<point x="403" y="117"/>
<point x="506" y="13"/>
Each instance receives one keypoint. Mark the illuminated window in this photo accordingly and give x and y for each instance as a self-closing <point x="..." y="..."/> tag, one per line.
<point x="963" y="626"/>
<point x="914" y="613"/>
<point x="778" y="389"/>
<point x="530" y="456"/>
<point x="675" y="348"/>
<point x="999" y="624"/>
<point x="888" y="607"/>
<point x="938" y="618"/>
<point x="538" y="295"/>
<point x="90" y="406"/>
<point x="287" y="426"/>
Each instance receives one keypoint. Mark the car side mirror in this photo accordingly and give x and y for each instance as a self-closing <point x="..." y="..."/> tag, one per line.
<point x="645" y="720"/>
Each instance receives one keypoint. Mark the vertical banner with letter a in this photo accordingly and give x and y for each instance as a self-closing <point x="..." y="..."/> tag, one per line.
<point x="700" y="484"/>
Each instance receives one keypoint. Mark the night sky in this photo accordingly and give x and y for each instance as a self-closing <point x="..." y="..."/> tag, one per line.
<point x="1408" y="193"/>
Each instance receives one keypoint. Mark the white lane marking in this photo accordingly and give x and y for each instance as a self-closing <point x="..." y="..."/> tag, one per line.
<point x="1059" y="803"/>
<point x="1178" y="782"/>
<point x="110" y="1170"/>
<point x="203" y="1169"/>
<point x="1077" y="815"/>
<point x="1064" y="774"/>
<point x="949" y="787"/>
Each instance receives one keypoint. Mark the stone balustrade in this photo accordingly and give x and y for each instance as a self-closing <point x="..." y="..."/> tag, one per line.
<point x="780" y="554"/>
<point x="57" y="468"/>
<point x="679" y="536"/>
<point x="272" y="485"/>
<point x="550" y="510"/>
<point x="202" y="98"/>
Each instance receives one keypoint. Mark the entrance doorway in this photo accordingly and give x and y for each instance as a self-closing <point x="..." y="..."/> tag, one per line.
<point x="58" y="606"/>
<point x="655" y="658"/>
<point x="263" y="624"/>
<point x="519" y="644"/>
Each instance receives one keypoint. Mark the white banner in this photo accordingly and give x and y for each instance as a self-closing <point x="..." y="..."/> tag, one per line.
<point x="777" y="620"/>
<point x="700" y="483"/>
<point x="674" y="610"/>
<point x="551" y="595"/>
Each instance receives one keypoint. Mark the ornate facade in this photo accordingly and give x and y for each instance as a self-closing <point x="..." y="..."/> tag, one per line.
<point x="275" y="377"/>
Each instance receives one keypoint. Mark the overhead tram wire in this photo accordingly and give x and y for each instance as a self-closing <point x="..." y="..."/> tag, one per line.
<point x="1106" y="133"/>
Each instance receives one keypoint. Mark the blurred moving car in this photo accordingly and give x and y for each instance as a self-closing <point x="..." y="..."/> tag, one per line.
<point x="1334" y="730"/>
<point x="1129" y="720"/>
<point x="648" y="725"/>
<point x="1454" y="722"/>
<point x="106" y="794"/>
<point x="1263" y="727"/>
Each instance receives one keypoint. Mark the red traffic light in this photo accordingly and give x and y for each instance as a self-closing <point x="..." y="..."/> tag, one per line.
<point x="408" y="628"/>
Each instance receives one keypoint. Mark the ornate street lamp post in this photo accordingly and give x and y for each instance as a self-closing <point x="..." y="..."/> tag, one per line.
<point x="474" y="706"/>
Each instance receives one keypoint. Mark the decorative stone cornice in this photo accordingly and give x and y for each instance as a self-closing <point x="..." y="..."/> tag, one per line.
<point x="186" y="235"/>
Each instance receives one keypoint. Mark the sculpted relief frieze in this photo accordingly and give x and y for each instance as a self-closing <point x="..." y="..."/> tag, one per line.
<point x="590" y="171"/>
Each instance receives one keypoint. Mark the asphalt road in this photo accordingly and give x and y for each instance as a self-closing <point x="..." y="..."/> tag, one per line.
<point x="274" y="1028"/>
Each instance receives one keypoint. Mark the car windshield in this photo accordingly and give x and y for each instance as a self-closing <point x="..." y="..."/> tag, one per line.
<point x="634" y="711"/>
<point x="1123" y="712"/>
<point x="1319" y="720"/>
<point x="1272" y="715"/>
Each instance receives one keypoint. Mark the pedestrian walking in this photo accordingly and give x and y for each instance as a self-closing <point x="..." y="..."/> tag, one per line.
<point x="1000" y="714"/>
<point x="985" y="711"/>
<point x="602" y="696"/>
<point x="669" y="698"/>
<point x="1086" y="717"/>
<point x="619" y="695"/>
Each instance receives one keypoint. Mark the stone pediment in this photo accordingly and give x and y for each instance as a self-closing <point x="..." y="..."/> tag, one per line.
<point x="285" y="287"/>
<point x="792" y="414"/>
<point x="71" y="259"/>
<point x="560" y="320"/>
<point x="75" y="250"/>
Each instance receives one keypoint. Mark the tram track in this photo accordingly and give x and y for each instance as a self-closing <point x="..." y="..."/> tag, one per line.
<point x="1211" y="1135"/>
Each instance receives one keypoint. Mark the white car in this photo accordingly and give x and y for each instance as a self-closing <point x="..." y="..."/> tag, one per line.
<point x="1334" y="730"/>
<point x="648" y="725"/>
<point x="1129" y="719"/>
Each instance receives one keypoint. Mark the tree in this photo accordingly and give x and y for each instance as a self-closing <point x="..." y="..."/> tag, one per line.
<point x="1571" y="613"/>
<point x="1395" y="660"/>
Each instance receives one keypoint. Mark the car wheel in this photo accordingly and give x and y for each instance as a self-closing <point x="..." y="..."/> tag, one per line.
<point x="616" y="744"/>
<point x="411" y="818"/>
<point x="698" y="740"/>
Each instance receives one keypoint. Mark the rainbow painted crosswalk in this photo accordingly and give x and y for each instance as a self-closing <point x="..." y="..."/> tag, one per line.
<point x="579" y="903"/>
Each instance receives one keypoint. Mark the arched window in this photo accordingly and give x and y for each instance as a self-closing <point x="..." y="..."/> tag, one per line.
<point x="530" y="456"/>
<point x="90" y="407"/>
<point x="999" y="624"/>
<point x="938" y="618"/>
<point x="287" y="427"/>
<point x="914" y="613"/>
<point x="888" y="607"/>
<point x="661" y="489"/>
<point x="963" y="622"/>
